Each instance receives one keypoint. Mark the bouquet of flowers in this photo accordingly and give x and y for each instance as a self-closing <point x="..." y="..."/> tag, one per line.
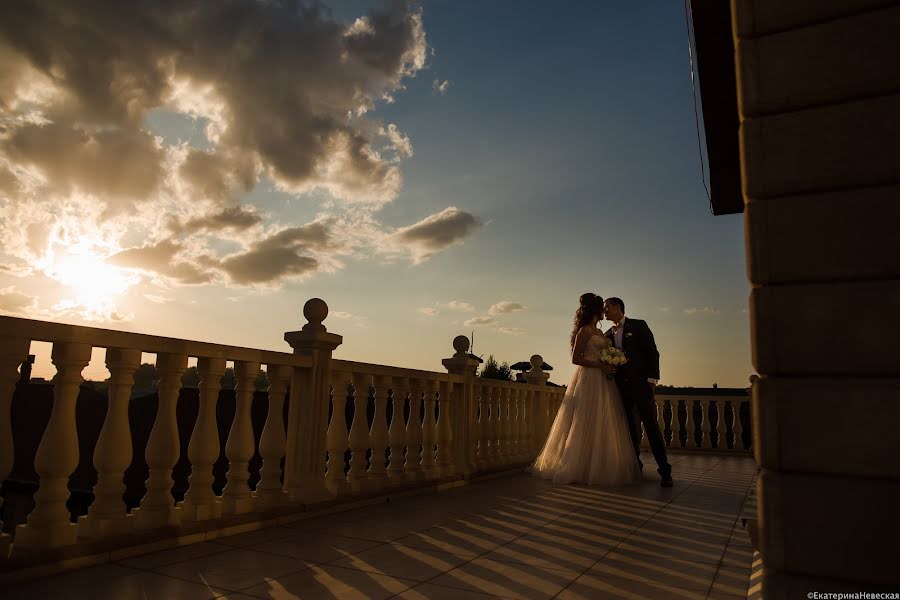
<point x="613" y="357"/>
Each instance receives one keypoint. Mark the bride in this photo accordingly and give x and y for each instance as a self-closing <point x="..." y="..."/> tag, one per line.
<point x="589" y="441"/>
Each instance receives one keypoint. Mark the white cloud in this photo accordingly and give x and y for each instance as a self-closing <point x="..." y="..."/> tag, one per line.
<point x="706" y="310"/>
<point x="512" y="330"/>
<point x="435" y="233"/>
<point x="505" y="307"/>
<point x="16" y="303"/>
<point x="479" y="321"/>
<point x="441" y="87"/>
<point x="353" y="319"/>
<point x="157" y="299"/>
<point x="459" y="305"/>
<point x="664" y="309"/>
<point x="429" y="311"/>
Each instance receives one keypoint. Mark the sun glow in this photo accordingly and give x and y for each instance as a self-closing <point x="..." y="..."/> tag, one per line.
<point x="96" y="284"/>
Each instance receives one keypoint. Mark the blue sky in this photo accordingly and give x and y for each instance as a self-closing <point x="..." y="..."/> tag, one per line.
<point x="566" y="130"/>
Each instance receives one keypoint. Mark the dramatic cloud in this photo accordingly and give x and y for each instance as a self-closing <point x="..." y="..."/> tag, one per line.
<point x="436" y="232"/>
<point x="505" y="307"/>
<point x="160" y="259"/>
<point x="267" y="265"/>
<point x="280" y="96"/>
<point x="479" y="321"/>
<point x="706" y="310"/>
<point x="237" y="218"/>
<point x="440" y="87"/>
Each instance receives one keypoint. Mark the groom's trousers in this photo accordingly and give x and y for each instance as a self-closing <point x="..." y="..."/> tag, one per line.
<point x="640" y="407"/>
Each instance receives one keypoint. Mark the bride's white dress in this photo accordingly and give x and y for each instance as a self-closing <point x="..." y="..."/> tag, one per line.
<point x="589" y="441"/>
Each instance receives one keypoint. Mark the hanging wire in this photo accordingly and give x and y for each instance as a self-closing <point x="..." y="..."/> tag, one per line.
<point x="691" y="50"/>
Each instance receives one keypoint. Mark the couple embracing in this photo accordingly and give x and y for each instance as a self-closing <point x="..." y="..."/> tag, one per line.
<point x="595" y="438"/>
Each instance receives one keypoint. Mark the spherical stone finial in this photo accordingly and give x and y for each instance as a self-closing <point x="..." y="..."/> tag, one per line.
<point x="754" y="378"/>
<point x="461" y="345"/>
<point x="315" y="310"/>
<point x="537" y="361"/>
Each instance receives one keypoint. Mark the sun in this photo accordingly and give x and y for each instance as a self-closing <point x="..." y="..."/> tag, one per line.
<point x="96" y="284"/>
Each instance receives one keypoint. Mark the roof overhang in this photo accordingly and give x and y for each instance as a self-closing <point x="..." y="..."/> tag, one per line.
<point x="715" y="62"/>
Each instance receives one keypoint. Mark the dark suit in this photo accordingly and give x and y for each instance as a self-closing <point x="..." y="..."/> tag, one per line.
<point x="637" y="394"/>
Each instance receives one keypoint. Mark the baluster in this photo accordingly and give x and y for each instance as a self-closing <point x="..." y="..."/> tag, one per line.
<point x="429" y="430"/>
<point x="704" y="424"/>
<point x="200" y="502"/>
<point x="691" y="441"/>
<point x="48" y="524"/>
<point x="236" y="497"/>
<point x="270" y="490"/>
<point x="736" y="428"/>
<point x="359" y="433"/>
<point x="397" y="432"/>
<point x="335" y="477"/>
<point x="478" y="415"/>
<point x="444" y="431"/>
<point x="660" y="417"/>
<point x="112" y="455"/>
<point x="529" y="423"/>
<point x="513" y="425"/>
<point x="157" y="507"/>
<point x="379" y="436"/>
<point x="414" y="470"/>
<point x="676" y="425"/>
<point x="522" y="422"/>
<point x="496" y="425"/>
<point x="506" y="416"/>
<point x="489" y="416"/>
<point x="13" y="352"/>
<point x="721" y="428"/>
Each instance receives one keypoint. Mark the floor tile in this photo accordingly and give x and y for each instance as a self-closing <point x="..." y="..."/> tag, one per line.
<point x="255" y="537"/>
<point x="174" y="555"/>
<point x="110" y="581"/>
<point x="429" y="591"/>
<point x="235" y="569"/>
<point x="454" y="540"/>
<point x="507" y="579"/>
<point x="403" y="561"/>
<point x="597" y="586"/>
<point x="315" y="547"/>
<point x="675" y="572"/>
<point x="325" y="582"/>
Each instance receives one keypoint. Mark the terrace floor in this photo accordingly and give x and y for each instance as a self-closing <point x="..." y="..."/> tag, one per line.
<point x="508" y="537"/>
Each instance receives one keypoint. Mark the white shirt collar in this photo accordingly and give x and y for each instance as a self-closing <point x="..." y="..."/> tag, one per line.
<point x="620" y="324"/>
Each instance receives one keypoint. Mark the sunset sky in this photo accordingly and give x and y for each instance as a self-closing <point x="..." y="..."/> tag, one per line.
<point x="428" y="169"/>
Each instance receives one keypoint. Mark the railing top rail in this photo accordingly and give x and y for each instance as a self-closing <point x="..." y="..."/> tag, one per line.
<point x="351" y="366"/>
<point x="513" y="385"/>
<point x="708" y="397"/>
<point x="45" y="331"/>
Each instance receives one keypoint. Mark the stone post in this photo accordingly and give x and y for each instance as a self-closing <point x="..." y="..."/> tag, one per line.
<point x="539" y="422"/>
<point x="463" y="412"/>
<point x="304" y="466"/>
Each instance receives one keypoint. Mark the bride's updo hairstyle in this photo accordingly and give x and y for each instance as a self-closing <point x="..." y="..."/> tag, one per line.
<point x="589" y="306"/>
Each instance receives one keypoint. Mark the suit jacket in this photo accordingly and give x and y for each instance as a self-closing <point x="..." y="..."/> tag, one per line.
<point x="640" y="350"/>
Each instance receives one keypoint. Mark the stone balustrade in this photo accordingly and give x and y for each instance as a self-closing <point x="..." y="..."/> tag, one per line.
<point x="702" y="422"/>
<point x="354" y="429"/>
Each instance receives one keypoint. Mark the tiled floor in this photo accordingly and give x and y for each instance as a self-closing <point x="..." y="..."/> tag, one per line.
<point x="513" y="537"/>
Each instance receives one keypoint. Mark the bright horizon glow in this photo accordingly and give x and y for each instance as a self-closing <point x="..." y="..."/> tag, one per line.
<point x="97" y="285"/>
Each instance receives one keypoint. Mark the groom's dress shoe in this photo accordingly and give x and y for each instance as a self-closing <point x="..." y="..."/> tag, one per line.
<point x="666" y="481"/>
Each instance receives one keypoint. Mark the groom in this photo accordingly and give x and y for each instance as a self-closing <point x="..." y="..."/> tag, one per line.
<point x="637" y="380"/>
